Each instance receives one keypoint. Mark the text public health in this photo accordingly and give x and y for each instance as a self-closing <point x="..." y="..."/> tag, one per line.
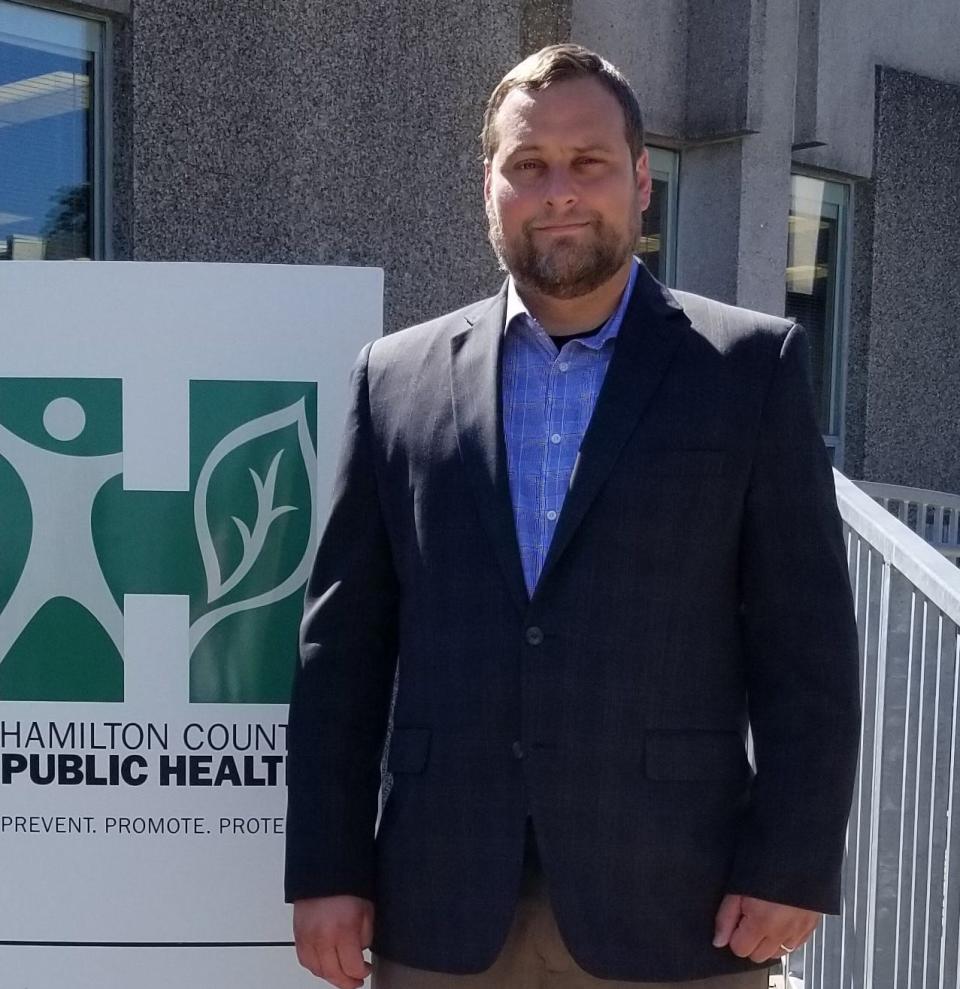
<point x="258" y="757"/>
<point x="74" y="769"/>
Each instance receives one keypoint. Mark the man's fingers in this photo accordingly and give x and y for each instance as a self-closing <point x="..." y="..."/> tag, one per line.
<point x="765" y="950"/>
<point x="331" y="933"/>
<point x="308" y="957"/>
<point x="728" y="916"/>
<point x="351" y="959"/>
<point x="798" y="937"/>
<point x="764" y="929"/>
<point x="746" y="938"/>
<point x="332" y="971"/>
<point x="326" y="963"/>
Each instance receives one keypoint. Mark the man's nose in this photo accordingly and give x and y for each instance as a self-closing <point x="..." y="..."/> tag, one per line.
<point x="560" y="189"/>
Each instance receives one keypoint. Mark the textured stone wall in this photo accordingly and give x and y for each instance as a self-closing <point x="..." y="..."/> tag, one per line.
<point x="912" y="421"/>
<point x="318" y="132"/>
<point x="857" y="354"/>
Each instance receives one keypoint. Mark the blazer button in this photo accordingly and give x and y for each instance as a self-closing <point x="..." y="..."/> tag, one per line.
<point x="517" y="750"/>
<point x="534" y="635"/>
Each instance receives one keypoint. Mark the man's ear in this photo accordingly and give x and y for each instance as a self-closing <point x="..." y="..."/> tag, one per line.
<point x="644" y="180"/>
<point x="486" y="180"/>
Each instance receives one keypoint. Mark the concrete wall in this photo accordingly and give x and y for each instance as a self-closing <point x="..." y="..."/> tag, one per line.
<point x="648" y="43"/>
<point x="325" y="133"/>
<point x="853" y="37"/>
<point x="912" y="421"/>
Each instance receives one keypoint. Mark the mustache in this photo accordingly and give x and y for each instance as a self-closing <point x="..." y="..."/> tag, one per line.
<point x="560" y="221"/>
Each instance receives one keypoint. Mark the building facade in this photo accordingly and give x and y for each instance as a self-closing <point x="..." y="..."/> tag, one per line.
<point x="806" y="156"/>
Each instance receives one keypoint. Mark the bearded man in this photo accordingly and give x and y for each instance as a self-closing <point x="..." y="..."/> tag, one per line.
<point x="590" y="526"/>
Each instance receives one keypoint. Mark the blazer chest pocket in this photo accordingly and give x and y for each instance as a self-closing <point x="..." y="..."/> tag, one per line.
<point x="696" y="755"/>
<point x="409" y="750"/>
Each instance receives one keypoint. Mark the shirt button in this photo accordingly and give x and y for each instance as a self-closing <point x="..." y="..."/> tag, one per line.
<point x="564" y="366"/>
<point x="534" y="635"/>
<point x="517" y="750"/>
<point x="555" y="438"/>
<point x="551" y="515"/>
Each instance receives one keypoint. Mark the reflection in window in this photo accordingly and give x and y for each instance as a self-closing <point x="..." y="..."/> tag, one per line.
<point x="815" y="261"/>
<point x="657" y="245"/>
<point x="48" y="66"/>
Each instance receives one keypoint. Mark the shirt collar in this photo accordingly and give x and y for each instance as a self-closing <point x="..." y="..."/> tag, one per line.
<point x="610" y="329"/>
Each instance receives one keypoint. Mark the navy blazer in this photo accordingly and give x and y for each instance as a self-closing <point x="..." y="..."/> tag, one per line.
<point x="696" y="583"/>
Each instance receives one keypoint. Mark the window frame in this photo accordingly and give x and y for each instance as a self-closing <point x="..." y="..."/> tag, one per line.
<point x="101" y="103"/>
<point x="665" y="166"/>
<point x="841" y="303"/>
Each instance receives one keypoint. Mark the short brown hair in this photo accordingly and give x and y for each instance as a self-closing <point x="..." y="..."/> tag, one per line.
<point x="558" y="63"/>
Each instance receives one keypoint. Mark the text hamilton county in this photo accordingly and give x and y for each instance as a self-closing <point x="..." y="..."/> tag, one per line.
<point x="28" y="754"/>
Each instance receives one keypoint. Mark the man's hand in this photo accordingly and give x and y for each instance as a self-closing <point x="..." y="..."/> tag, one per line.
<point x="760" y="930"/>
<point x="331" y="933"/>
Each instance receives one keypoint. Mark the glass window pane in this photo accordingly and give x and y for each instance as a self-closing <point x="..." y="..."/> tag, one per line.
<point x="814" y="283"/>
<point x="653" y="237"/>
<point x="46" y="134"/>
<point x="656" y="247"/>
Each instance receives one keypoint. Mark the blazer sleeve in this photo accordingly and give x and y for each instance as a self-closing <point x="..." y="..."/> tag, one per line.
<point x="344" y="678"/>
<point x="800" y="642"/>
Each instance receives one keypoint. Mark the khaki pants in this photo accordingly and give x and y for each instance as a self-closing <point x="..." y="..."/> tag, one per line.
<point x="535" y="957"/>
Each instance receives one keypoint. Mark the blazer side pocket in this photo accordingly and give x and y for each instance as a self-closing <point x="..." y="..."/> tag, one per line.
<point x="696" y="755"/>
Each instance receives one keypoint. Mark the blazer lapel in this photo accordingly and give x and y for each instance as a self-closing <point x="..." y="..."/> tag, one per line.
<point x="475" y="382"/>
<point x="645" y="346"/>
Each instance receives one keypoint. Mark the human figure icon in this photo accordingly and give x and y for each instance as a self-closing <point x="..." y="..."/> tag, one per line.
<point x="62" y="560"/>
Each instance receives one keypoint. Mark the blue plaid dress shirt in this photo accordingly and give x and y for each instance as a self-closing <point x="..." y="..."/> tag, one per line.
<point x="548" y="398"/>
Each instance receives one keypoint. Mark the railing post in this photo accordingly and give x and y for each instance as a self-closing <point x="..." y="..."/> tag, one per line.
<point x="870" y="919"/>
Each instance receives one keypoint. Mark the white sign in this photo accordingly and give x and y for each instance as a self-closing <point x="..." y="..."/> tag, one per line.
<point x="168" y="434"/>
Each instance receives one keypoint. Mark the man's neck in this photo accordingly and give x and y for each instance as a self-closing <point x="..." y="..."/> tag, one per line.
<point x="561" y="317"/>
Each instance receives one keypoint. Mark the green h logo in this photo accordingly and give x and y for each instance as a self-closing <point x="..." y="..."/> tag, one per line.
<point x="74" y="542"/>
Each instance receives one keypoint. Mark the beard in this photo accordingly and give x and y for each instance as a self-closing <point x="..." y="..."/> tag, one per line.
<point x="569" y="267"/>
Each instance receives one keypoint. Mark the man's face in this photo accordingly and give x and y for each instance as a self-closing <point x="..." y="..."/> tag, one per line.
<point x="563" y="197"/>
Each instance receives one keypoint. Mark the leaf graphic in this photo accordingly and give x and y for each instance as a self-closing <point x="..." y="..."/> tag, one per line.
<point x="253" y="539"/>
<point x="253" y="542"/>
<point x="245" y="536"/>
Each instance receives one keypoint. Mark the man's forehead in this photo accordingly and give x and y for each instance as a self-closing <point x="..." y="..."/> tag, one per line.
<point x="580" y="112"/>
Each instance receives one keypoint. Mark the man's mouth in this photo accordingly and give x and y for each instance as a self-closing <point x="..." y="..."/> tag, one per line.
<point x="562" y="227"/>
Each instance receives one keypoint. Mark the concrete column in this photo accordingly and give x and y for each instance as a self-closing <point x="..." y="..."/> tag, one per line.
<point x="766" y="159"/>
<point x="648" y="43"/>
<point x="708" y="222"/>
<point x="735" y="179"/>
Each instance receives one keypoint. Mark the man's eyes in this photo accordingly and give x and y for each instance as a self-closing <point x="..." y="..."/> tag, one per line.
<point x="529" y="164"/>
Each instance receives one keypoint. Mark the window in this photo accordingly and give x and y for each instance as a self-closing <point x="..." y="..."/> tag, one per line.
<point x="658" y="243"/>
<point x="51" y="135"/>
<point x="816" y="257"/>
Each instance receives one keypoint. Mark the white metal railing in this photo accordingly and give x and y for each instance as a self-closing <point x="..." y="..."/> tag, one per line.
<point x="900" y="925"/>
<point x="932" y="515"/>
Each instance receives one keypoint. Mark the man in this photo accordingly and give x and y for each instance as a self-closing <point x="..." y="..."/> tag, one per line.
<point x="591" y="525"/>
